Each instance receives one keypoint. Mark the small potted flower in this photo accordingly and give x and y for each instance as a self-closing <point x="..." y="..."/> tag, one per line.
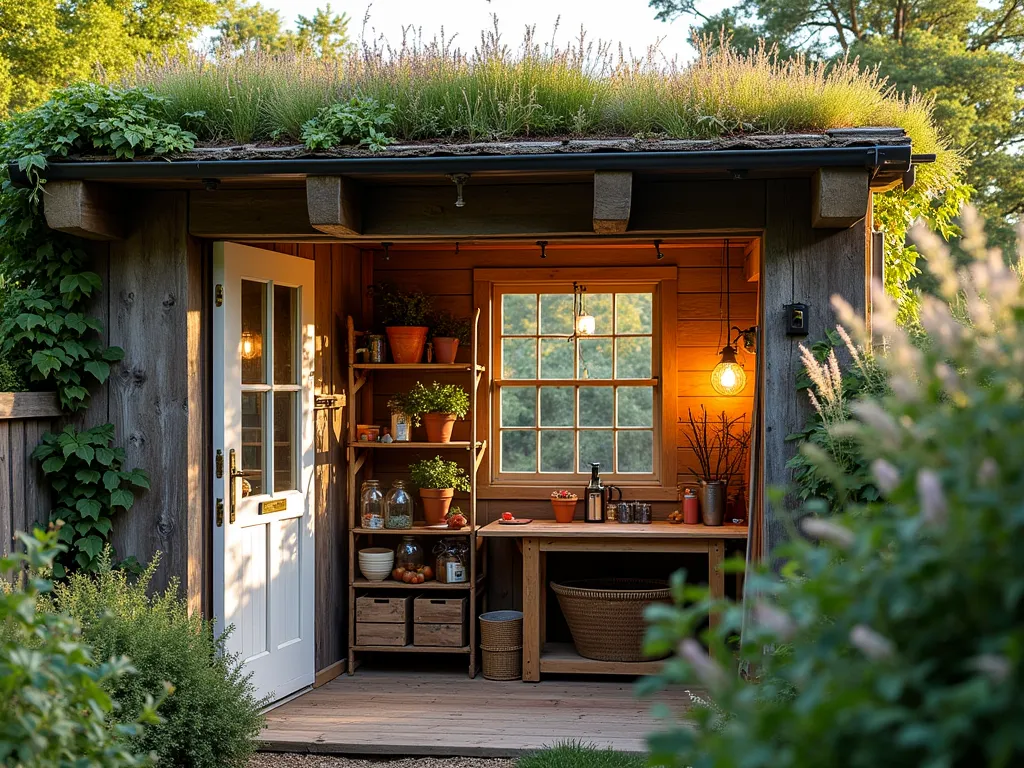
<point x="438" y="480"/>
<point x="437" y="406"/>
<point x="564" y="504"/>
<point x="404" y="317"/>
<point x="448" y="332"/>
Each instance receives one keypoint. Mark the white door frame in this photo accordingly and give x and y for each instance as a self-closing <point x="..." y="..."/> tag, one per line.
<point x="264" y="553"/>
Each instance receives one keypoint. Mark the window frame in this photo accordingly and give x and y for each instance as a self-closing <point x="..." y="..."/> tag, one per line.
<point x="491" y="284"/>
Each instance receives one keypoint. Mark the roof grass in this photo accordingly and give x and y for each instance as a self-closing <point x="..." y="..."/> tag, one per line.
<point x="496" y="93"/>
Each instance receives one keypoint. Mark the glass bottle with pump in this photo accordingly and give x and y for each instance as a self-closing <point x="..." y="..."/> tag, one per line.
<point x="594" y="510"/>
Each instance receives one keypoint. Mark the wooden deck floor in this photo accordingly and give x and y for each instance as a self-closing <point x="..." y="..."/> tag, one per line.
<point x="396" y="713"/>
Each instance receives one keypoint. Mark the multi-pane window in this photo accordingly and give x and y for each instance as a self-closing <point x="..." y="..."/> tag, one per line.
<point x="564" y="401"/>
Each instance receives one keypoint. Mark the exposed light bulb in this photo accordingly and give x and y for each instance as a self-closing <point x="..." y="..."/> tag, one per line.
<point x="586" y="325"/>
<point x="247" y="348"/>
<point x="728" y="377"/>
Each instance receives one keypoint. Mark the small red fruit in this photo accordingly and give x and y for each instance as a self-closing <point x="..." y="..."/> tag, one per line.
<point x="507" y="516"/>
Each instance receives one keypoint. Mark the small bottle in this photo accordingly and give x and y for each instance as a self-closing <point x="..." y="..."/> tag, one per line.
<point x="594" y="510"/>
<point x="691" y="511"/>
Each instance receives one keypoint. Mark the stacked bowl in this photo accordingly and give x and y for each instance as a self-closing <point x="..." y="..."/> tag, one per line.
<point x="376" y="562"/>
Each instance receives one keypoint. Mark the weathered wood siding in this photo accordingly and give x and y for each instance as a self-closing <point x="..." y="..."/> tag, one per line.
<point x="24" y="499"/>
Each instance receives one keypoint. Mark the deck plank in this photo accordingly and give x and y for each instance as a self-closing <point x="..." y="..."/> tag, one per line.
<point x="377" y="712"/>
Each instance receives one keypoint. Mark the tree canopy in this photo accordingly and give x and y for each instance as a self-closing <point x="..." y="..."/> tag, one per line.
<point x="246" y="26"/>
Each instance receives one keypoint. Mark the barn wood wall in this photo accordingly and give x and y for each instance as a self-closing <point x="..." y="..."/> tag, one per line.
<point x="24" y="497"/>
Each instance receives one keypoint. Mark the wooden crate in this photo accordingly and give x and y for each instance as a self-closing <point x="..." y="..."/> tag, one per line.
<point x="371" y="633"/>
<point x="384" y="610"/>
<point x="439" y="610"/>
<point x="439" y="635"/>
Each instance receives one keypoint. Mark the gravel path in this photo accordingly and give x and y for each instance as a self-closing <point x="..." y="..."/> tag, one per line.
<point x="283" y="760"/>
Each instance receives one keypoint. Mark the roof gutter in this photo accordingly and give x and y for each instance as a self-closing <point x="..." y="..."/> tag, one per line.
<point x="898" y="158"/>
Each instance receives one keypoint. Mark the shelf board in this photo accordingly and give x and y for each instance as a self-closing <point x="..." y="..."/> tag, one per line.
<point x="562" y="658"/>
<point x="427" y="585"/>
<point x="418" y="530"/>
<point x="416" y="367"/>
<point x="411" y="648"/>
<point x="461" y="444"/>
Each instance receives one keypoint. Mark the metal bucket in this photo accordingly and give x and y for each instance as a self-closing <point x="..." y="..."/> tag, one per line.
<point x="712" y="502"/>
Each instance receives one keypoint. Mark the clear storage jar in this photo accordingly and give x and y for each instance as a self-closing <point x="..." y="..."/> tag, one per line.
<point x="398" y="507"/>
<point x="371" y="505"/>
<point x="409" y="554"/>
<point x="452" y="561"/>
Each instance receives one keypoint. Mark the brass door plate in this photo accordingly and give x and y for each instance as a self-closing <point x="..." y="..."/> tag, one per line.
<point x="276" y="505"/>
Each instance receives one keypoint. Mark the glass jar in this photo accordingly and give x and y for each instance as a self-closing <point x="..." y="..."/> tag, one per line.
<point x="398" y="507"/>
<point x="452" y="560"/>
<point x="409" y="554"/>
<point x="371" y="505"/>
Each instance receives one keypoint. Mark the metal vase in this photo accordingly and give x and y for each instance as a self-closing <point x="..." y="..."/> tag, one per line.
<point x="712" y="502"/>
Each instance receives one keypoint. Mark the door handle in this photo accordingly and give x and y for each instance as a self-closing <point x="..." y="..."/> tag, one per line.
<point x="234" y="473"/>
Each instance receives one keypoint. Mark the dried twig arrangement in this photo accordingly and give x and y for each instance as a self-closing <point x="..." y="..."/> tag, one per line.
<point x="721" y="447"/>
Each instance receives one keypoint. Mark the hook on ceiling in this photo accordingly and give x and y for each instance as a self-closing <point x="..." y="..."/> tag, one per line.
<point x="657" y="250"/>
<point x="543" y="248"/>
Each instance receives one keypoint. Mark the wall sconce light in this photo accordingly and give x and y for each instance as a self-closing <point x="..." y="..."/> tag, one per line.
<point x="252" y="345"/>
<point x="584" y="324"/>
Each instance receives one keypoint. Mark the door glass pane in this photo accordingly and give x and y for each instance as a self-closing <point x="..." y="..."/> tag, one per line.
<point x="557" y="405"/>
<point x="636" y="407"/>
<point x="636" y="451"/>
<point x="556" y="317"/>
<point x="254" y="324"/>
<point x="634" y="312"/>
<point x="284" y="441"/>
<point x="518" y="406"/>
<point x="556" y="359"/>
<point x="285" y="334"/>
<point x="252" y="459"/>
<point x="556" y="450"/>
<point x="633" y="358"/>
<point x="519" y="314"/>
<point x="596" y="445"/>
<point x="518" y="450"/>
<point x="596" y="406"/>
<point x="519" y="359"/>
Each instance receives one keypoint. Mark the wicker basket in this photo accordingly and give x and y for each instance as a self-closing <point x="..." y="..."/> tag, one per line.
<point x="606" y="616"/>
<point x="501" y="644"/>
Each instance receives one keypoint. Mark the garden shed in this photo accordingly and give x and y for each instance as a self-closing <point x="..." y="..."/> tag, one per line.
<point x="237" y="280"/>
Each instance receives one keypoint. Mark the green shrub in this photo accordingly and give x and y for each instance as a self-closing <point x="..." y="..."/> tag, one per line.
<point x="574" y="754"/>
<point x="54" y="700"/>
<point x="359" y="121"/>
<point x="903" y="625"/>
<point x="439" y="473"/>
<point x="212" y="717"/>
<point x="437" y="398"/>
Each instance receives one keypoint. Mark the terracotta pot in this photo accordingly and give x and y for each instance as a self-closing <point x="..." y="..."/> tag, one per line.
<point x="407" y="342"/>
<point x="435" y="504"/>
<point x="439" y="427"/>
<point x="565" y="509"/>
<point x="445" y="348"/>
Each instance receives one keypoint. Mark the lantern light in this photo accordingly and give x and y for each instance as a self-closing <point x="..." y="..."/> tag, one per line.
<point x="728" y="377"/>
<point x="252" y="345"/>
<point x="586" y="325"/>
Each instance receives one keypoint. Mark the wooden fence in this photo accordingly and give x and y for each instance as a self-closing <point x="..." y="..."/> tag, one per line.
<point x="24" y="418"/>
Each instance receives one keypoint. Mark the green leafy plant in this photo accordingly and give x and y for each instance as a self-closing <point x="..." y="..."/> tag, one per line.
<point x="394" y="307"/>
<point x="54" y="688"/>
<point x="446" y="325"/>
<point x="439" y="473"/>
<point x="901" y="626"/>
<point x="575" y="754"/>
<point x="437" y="398"/>
<point x="89" y="485"/>
<point x="212" y="717"/>
<point x="360" y="120"/>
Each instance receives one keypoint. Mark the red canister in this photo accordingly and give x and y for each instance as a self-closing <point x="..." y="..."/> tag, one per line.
<point x="691" y="512"/>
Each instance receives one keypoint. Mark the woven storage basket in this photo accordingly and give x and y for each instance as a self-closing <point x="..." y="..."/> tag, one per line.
<point x="504" y="664"/>
<point x="501" y="643"/>
<point x="606" y="616"/>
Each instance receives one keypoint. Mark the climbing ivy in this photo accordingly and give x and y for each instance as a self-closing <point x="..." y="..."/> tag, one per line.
<point x="47" y="333"/>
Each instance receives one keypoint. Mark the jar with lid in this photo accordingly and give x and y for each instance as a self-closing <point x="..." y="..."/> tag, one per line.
<point x="371" y="505"/>
<point x="398" y="507"/>
<point x="409" y="554"/>
<point x="452" y="561"/>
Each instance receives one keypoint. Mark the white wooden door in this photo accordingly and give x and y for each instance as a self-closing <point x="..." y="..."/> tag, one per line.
<point x="263" y="555"/>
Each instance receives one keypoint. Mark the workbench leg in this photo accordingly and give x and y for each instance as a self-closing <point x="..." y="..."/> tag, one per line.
<point x="531" y="610"/>
<point x="716" y="577"/>
<point x="543" y="598"/>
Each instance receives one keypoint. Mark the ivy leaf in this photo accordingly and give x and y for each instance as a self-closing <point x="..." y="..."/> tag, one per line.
<point x="102" y="526"/>
<point x="53" y="464"/>
<point x="89" y="508"/>
<point x="99" y="370"/>
<point x="104" y="456"/>
<point x="122" y="498"/>
<point x="86" y="453"/>
<point x="139" y="478"/>
<point x="87" y="476"/>
<point x="111" y="480"/>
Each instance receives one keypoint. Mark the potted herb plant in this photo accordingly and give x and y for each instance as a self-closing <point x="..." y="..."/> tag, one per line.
<point x="438" y="480"/>
<point x="404" y="317"/>
<point x="448" y="332"/>
<point x="436" y="406"/>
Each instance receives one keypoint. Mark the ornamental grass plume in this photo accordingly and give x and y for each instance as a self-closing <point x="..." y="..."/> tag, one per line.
<point x="904" y="647"/>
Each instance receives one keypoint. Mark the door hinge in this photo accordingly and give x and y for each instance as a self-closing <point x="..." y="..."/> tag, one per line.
<point x="219" y="463"/>
<point x="218" y="295"/>
<point x="220" y="513"/>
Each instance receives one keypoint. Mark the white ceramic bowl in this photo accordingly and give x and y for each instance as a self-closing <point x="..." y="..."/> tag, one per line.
<point x="376" y="563"/>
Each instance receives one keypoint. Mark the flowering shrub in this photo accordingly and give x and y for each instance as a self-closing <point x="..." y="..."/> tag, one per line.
<point x="898" y="630"/>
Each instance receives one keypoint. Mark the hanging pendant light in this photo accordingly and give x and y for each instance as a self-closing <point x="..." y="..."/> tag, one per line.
<point x="584" y="324"/>
<point x="728" y="377"/>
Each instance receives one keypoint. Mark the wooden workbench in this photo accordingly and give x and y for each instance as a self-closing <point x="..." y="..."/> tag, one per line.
<point x="538" y="538"/>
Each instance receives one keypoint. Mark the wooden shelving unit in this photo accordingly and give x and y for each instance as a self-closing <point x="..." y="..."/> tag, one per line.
<point x="360" y="465"/>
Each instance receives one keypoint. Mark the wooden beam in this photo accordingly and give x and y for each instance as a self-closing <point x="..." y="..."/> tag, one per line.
<point x="752" y="261"/>
<point x="84" y="209"/>
<point x="613" y="195"/>
<point x="839" y="197"/>
<point x="334" y="205"/>
<point x="29" y="405"/>
<point x="253" y="214"/>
